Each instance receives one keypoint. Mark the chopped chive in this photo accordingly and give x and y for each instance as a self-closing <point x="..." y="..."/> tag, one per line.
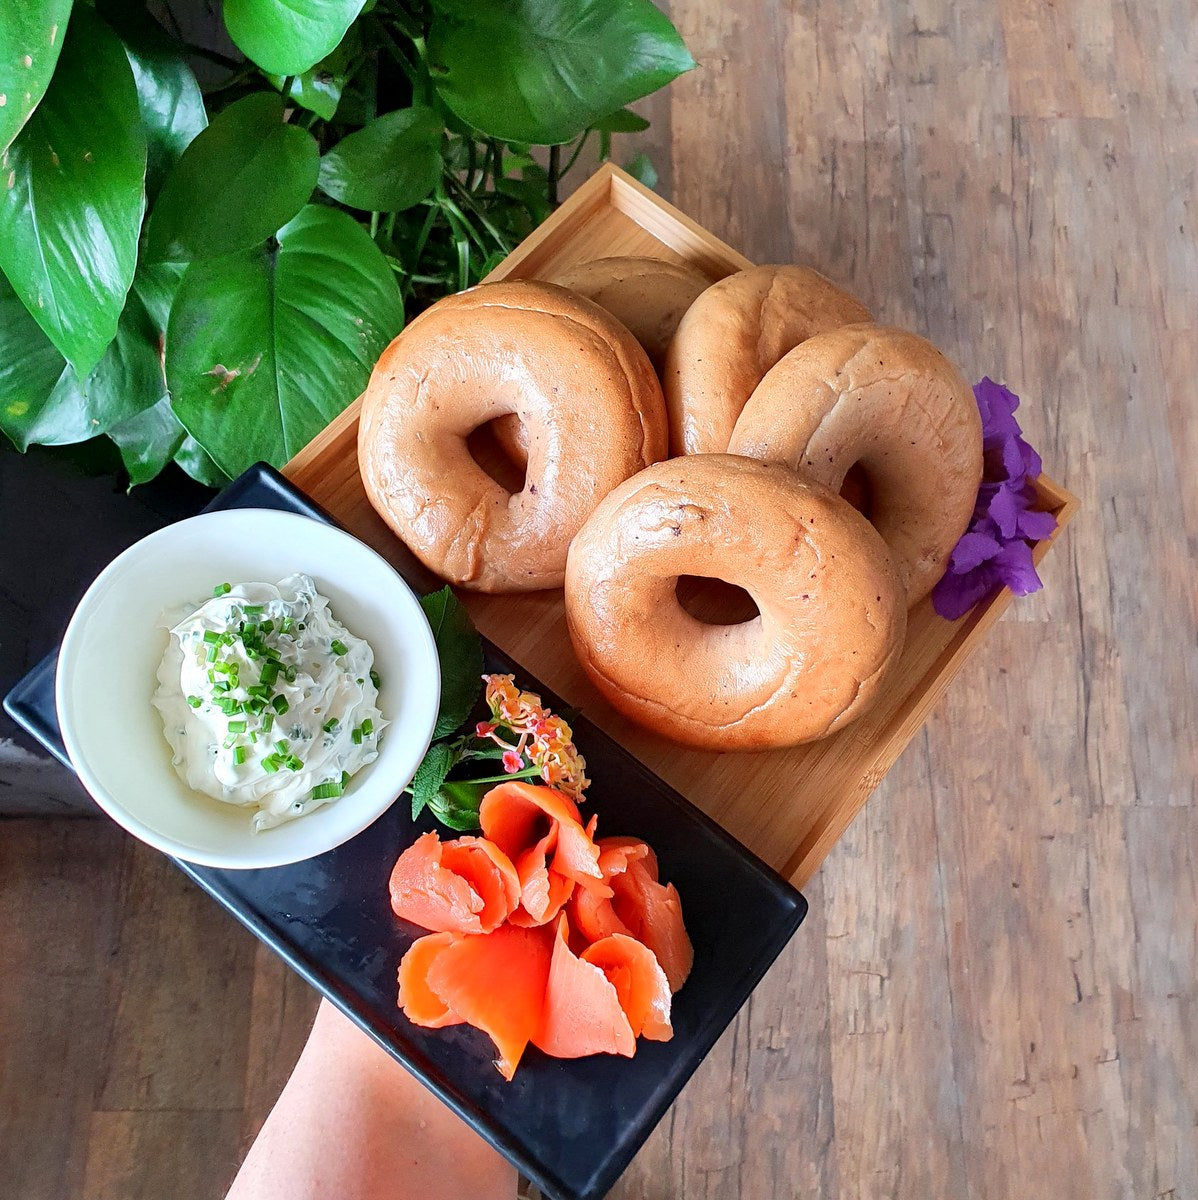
<point x="338" y="646"/>
<point x="211" y="655"/>
<point x="268" y="720"/>
<point x="270" y="672"/>
<point x="301" y="626"/>
<point x="293" y="764"/>
<point x="286" y="625"/>
<point x="252" y="610"/>
<point x="253" y="737"/>
<point x="222" y="589"/>
<point x="239" y="755"/>
<point x="279" y="704"/>
<point x="270" y="764"/>
<point x="330" y="725"/>
<point x="194" y="701"/>
<point x="357" y="735"/>
<point x="256" y="706"/>
<point x="211" y="637"/>
<point x="282" y="745"/>
<point x="259" y="689"/>
<point x="230" y="741"/>
<point x="344" y="778"/>
<point x="289" y="674"/>
<point x="375" y="679"/>
<point x="328" y="790"/>
<point x="367" y="727"/>
<point x="222" y="687"/>
<point x="226" y="668"/>
<point x="237" y="726"/>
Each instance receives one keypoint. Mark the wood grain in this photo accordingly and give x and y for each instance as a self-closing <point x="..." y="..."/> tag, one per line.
<point x="994" y="994"/>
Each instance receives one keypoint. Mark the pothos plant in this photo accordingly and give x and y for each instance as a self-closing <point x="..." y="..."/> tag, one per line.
<point x="206" y="274"/>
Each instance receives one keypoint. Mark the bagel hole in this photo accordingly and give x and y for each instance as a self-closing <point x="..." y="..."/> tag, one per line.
<point x="856" y="489"/>
<point x="714" y="601"/>
<point x="487" y="450"/>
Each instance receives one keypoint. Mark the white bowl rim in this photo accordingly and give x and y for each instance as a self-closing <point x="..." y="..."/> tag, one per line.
<point x="199" y="856"/>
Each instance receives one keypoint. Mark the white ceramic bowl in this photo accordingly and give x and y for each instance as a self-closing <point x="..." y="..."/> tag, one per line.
<point x="116" y="639"/>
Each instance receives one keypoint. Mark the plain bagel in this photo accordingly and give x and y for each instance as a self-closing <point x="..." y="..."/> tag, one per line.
<point x="891" y="402"/>
<point x="832" y="610"/>
<point x="578" y="382"/>
<point x="731" y="336"/>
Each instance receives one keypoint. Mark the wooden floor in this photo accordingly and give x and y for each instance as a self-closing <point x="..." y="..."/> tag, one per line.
<point x="995" y="993"/>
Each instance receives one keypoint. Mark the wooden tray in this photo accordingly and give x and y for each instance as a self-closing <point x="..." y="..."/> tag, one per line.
<point x="788" y="806"/>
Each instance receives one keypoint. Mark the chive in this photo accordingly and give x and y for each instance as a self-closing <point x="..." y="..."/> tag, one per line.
<point x="301" y="626"/>
<point x="222" y="589"/>
<point x="282" y="745"/>
<point x="222" y="687"/>
<point x="253" y="737"/>
<point x="367" y="727"/>
<point x="361" y="680"/>
<point x="330" y="725"/>
<point x="229" y="741"/>
<point x="279" y="704"/>
<point x="375" y="679"/>
<point x="267" y="627"/>
<point x="259" y="689"/>
<point x="211" y="637"/>
<point x="227" y="704"/>
<point x="252" y="610"/>
<point x="289" y="674"/>
<point x="226" y="668"/>
<point x="270" y="672"/>
<point x="211" y="655"/>
<point x="255" y="706"/>
<point x="344" y="779"/>
<point x="286" y="625"/>
<point x="237" y="726"/>
<point x="357" y="735"/>
<point x="270" y="764"/>
<point x="239" y="755"/>
<point x="194" y="701"/>
<point x="328" y="790"/>
<point x="338" y="646"/>
<point x="268" y="721"/>
<point x="293" y="764"/>
<point x="228" y="639"/>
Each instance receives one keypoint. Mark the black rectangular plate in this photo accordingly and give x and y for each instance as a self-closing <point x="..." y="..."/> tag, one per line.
<point x="571" y="1126"/>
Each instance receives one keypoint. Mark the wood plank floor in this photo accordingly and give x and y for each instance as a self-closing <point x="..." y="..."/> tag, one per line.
<point x="995" y="993"/>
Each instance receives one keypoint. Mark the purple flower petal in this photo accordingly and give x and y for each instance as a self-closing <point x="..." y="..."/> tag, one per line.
<point x="1012" y="459"/>
<point x="1032" y="465"/>
<point x="997" y="406"/>
<point x="955" y="594"/>
<point x="1005" y="510"/>
<point x="1016" y="569"/>
<point x="972" y="550"/>
<point x="1036" y="525"/>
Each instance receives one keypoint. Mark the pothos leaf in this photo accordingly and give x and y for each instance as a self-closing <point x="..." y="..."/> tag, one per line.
<point x="30" y="40"/>
<point x="286" y="39"/>
<point x="430" y="775"/>
<point x="148" y="441"/>
<point x="195" y="461"/>
<point x="460" y="651"/>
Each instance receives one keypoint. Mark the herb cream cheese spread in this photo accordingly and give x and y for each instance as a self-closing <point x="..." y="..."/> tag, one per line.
<point x="267" y="700"/>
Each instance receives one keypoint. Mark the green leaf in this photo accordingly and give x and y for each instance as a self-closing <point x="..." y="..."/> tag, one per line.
<point x="460" y="651"/>
<point x="72" y="205"/>
<point x="264" y="348"/>
<point x="238" y="183"/>
<point x="623" y="120"/>
<point x="456" y="804"/>
<point x="288" y="38"/>
<point x="524" y="70"/>
<point x="29" y="367"/>
<point x="390" y="165"/>
<point x="430" y="775"/>
<point x="168" y="97"/>
<point x="30" y="40"/>
<point x="148" y="441"/>
<point x="319" y="88"/>
<point x="642" y="168"/>
<point x="192" y="457"/>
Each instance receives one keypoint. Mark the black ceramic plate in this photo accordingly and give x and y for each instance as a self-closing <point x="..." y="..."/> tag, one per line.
<point x="570" y="1126"/>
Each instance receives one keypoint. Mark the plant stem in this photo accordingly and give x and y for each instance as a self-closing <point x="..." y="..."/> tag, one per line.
<point x="577" y="151"/>
<point x="555" y="171"/>
<point x="527" y="773"/>
<point x="374" y="225"/>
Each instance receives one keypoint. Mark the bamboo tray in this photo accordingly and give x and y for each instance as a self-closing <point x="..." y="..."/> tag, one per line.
<point x="788" y="806"/>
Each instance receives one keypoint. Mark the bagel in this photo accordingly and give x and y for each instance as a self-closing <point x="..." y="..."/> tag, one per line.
<point x="576" y="379"/>
<point x="831" y="607"/>
<point x="891" y="402"/>
<point x="730" y="337"/>
<point x="648" y="295"/>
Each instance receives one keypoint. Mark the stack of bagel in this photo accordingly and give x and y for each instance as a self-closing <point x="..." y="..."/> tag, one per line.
<point x="759" y="430"/>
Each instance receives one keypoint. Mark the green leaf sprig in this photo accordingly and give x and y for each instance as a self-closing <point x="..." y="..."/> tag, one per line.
<point x="205" y="275"/>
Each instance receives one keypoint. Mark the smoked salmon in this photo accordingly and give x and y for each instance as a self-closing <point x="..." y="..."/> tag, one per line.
<point x="630" y="901"/>
<point x="468" y="885"/>
<point x="420" y="1004"/>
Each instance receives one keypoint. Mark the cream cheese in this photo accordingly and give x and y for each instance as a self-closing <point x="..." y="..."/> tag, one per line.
<point x="267" y="700"/>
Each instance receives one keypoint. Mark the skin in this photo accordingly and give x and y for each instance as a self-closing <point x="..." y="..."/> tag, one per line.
<point x="578" y="382"/>
<point x="832" y="610"/>
<point x="354" y="1124"/>
<point x="890" y="402"/>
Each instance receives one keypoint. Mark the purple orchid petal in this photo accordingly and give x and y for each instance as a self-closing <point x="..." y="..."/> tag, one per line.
<point x="972" y="550"/>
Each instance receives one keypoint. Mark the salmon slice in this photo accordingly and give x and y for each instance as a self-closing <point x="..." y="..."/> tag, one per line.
<point x="636" y="906"/>
<point x="543" y="890"/>
<point x="640" y="983"/>
<point x="465" y="886"/>
<point x="496" y="982"/>
<point x="582" y="1013"/>
<point x="518" y="815"/>
<point x="421" y="1005"/>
